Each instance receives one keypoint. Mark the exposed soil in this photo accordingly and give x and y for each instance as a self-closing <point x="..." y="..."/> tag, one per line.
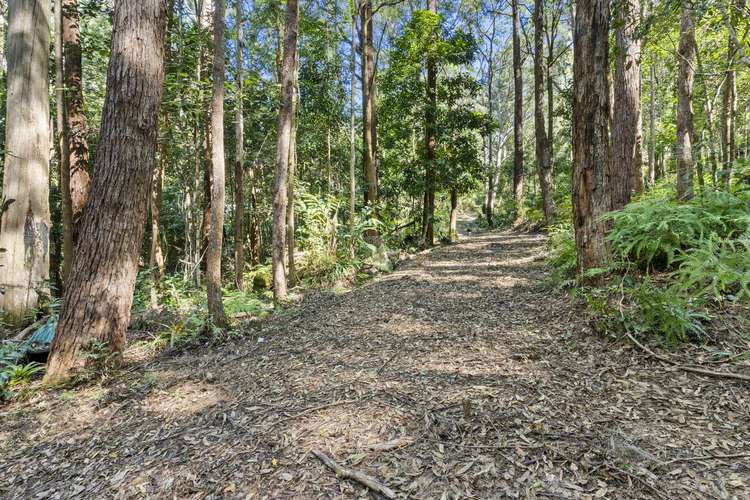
<point x="457" y="376"/>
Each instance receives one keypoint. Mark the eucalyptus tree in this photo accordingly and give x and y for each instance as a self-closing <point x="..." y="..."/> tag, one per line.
<point x="543" y="150"/>
<point x="283" y="141"/>
<point x="684" y="143"/>
<point x="518" y="174"/>
<point x="75" y="126"/>
<point x="218" y="167"/>
<point x="239" y="152"/>
<point x="627" y="136"/>
<point x="24" y="209"/>
<point x="98" y="298"/>
<point x="591" y="150"/>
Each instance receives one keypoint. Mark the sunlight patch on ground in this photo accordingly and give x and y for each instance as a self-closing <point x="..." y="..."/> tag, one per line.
<point x="184" y="399"/>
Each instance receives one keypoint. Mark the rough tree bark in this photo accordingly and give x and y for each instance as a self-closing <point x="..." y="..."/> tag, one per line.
<point x="239" y="160"/>
<point x="97" y="300"/>
<point x="75" y="121"/>
<point x="625" y="177"/>
<point x="591" y="152"/>
<point x="517" y="115"/>
<point x="63" y="152"/>
<point x="24" y="208"/>
<point x="683" y="146"/>
<point x="543" y="154"/>
<point x="428" y="217"/>
<point x="369" y="110"/>
<point x="283" y="139"/>
<point x="218" y="170"/>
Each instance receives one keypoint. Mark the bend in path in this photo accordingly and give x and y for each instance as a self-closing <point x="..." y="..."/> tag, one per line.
<point x="457" y="376"/>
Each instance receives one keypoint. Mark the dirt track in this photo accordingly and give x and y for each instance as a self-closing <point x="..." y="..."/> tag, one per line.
<point x="457" y="376"/>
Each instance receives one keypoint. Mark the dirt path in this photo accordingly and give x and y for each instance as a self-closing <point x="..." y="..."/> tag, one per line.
<point x="457" y="376"/>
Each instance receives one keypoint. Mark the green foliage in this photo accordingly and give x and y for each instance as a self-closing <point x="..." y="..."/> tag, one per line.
<point x="15" y="375"/>
<point x="562" y="254"/>
<point x="652" y="232"/>
<point x="332" y="252"/>
<point x="698" y="253"/>
<point x="715" y="269"/>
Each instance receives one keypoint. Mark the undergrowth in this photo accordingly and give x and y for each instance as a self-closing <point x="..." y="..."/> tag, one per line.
<point x="673" y="264"/>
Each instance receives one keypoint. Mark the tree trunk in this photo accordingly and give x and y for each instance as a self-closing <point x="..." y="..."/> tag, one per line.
<point x="290" y="230"/>
<point x="216" y="231"/>
<point x="428" y="227"/>
<point x="517" y="115"/>
<point x="626" y="178"/>
<point x="24" y="208"/>
<point x="489" y="204"/>
<point x="729" y="112"/>
<point x="156" y="254"/>
<point x="63" y="151"/>
<point x="352" y="133"/>
<point x="283" y="140"/>
<point x="239" y="160"/>
<point x="369" y="111"/>
<point x="591" y="151"/>
<point x="453" y="229"/>
<point x="683" y="146"/>
<point x="543" y="156"/>
<point x="652" y="129"/>
<point x="97" y="300"/>
<point x="75" y="126"/>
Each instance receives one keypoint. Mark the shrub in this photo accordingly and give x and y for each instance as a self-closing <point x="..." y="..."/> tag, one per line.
<point x="715" y="268"/>
<point x="562" y="254"/>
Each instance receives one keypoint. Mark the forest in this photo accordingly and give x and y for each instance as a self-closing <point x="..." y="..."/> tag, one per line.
<point x="375" y="248"/>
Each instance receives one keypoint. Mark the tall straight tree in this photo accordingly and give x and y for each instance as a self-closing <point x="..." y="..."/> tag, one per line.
<point x="517" y="113"/>
<point x="652" y="127"/>
<point x="369" y="110"/>
<point x="283" y="140"/>
<point x="291" y="270"/>
<point x="626" y="177"/>
<point x="75" y="123"/>
<point x="543" y="153"/>
<point x="683" y="147"/>
<point x="729" y="99"/>
<point x="218" y="173"/>
<point x="24" y="208"/>
<point x="428" y="216"/>
<point x="99" y="294"/>
<point x="239" y="157"/>
<point x="62" y="147"/>
<point x="591" y="152"/>
<point x="352" y="131"/>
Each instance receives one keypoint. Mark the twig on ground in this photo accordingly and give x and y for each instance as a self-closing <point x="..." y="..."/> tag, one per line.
<point x="703" y="457"/>
<point x="391" y="445"/>
<point x="360" y="477"/>
<point x="692" y="369"/>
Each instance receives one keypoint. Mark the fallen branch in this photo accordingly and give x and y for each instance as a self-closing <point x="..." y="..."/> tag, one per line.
<point x="704" y="457"/>
<point x="360" y="477"/>
<point x="34" y="326"/>
<point x="692" y="369"/>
